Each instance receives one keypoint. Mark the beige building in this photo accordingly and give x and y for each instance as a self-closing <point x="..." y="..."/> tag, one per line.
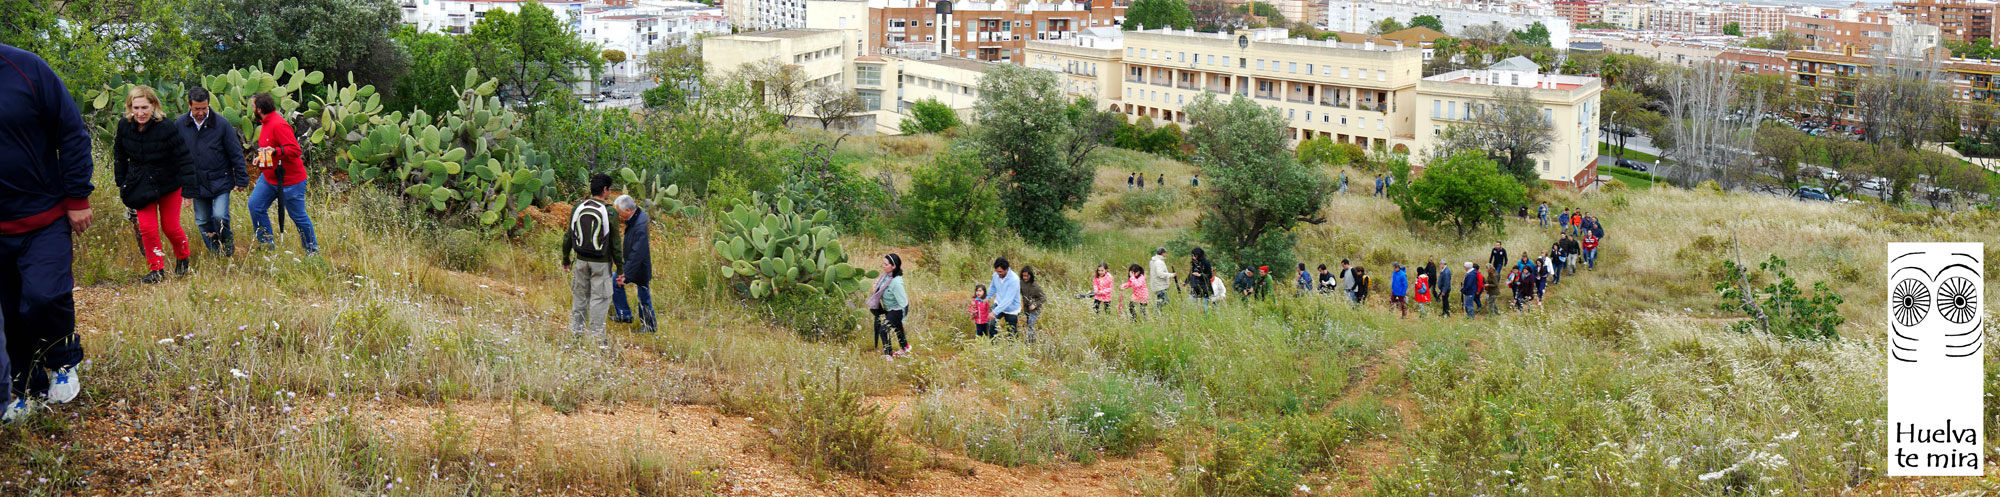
<point x="1628" y="15"/>
<point x="886" y="84"/>
<point x="1568" y="103"/>
<point x="1091" y="64"/>
<point x="1352" y="93"/>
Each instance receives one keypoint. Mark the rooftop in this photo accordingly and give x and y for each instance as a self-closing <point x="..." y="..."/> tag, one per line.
<point x="956" y="62"/>
<point x="786" y="33"/>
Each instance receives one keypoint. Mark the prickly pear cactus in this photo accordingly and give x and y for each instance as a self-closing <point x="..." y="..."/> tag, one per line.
<point x="653" y="192"/>
<point x="469" y="161"/>
<point x="778" y="251"/>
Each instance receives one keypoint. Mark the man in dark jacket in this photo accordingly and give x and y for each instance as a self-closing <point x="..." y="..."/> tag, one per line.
<point x="1499" y="257"/>
<point x="1470" y="289"/>
<point x="45" y="190"/>
<point x="218" y="168"/>
<point x="638" y="265"/>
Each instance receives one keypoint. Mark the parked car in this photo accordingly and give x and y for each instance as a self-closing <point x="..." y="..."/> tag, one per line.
<point x="1874" y="184"/>
<point x="1631" y="164"/>
<point x="1812" y="193"/>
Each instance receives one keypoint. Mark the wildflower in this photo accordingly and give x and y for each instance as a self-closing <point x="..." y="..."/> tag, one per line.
<point x="166" y="341"/>
<point x="238" y="373"/>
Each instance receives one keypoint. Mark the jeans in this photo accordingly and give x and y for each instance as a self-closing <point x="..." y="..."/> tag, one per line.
<point x="1013" y="324"/>
<point x="164" y="215"/>
<point x="211" y="217"/>
<point x="1545" y="219"/>
<point x="37" y="308"/>
<point x="295" y="206"/>
<point x="1028" y="320"/>
<point x="1100" y="305"/>
<point x="1136" y="309"/>
<point x="884" y="321"/>
<point x="624" y="312"/>
<point x="590" y="289"/>
<point x="1471" y="305"/>
<point x="1590" y="256"/>
<point x="1161" y="297"/>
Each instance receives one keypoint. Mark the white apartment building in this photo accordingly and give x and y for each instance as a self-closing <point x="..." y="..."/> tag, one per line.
<point x="1091" y="64"/>
<point x="753" y="15"/>
<point x="1628" y="15"/>
<point x="458" y="16"/>
<point x="1568" y="103"/>
<point x="652" y="26"/>
<point x="1357" y="17"/>
<point x="887" y="84"/>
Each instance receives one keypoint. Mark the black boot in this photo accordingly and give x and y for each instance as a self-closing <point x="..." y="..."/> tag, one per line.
<point x="154" y="277"/>
<point x="181" y="267"/>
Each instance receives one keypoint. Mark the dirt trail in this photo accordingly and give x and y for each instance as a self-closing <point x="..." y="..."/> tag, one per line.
<point x="1374" y="454"/>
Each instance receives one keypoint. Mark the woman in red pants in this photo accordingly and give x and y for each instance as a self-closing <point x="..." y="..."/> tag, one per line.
<point x="152" y="162"/>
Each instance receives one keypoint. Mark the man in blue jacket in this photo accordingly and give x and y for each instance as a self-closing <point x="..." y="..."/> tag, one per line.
<point x="218" y="168"/>
<point x="45" y="190"/>
<point x="638" y="266"/>
<point x="1470" y="289"/>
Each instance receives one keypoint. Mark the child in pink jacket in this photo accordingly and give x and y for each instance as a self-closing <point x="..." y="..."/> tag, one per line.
<point x="1136" y="280"/>
<point x="1100" y="287"/>
<point x="982" y="312"/>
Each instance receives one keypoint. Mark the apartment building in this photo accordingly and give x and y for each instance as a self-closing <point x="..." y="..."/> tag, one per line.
<point x="991" y="31"/>
<point x="1959" y="20"/>
<point x="1568" y="103"/>
<point x="1358" y="16"/>
<point x="753" y="15"/>
<point x="821" y="56"/>
<point x="1628" y="15"/>
<point x="1833" y="77"/>
<point x="458" y="16"/>
<point x="1580" y="11"/>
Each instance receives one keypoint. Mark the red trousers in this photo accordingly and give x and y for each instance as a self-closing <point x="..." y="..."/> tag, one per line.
<point x="164" y="213"/>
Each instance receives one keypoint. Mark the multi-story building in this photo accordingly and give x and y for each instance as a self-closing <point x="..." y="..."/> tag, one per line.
<point x="886" y="83"/>
<point x="1959" y="20"/>
<point x="1754" y="61"/>
<point x="1091" y="63"/>
<point x="994" y="31"/>
<point x="752" y="15"/>
<point x="1834" y="78"/>
<point x="1830" y="31"/>
<point x="1351" y="93"/>
<point x="1628" y="15"/>
<point x="637" y="31"/>
<point x="1360" y="15"/>
<point x="1709" y="19"/>
<point x="1580" y="12"/>
<point x="458" y="16"/>
<point x="1568" y="103"/>
<point x="1754" y="20"/>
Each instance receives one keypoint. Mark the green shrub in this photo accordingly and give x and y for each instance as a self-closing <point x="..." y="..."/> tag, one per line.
<point x="950" y="199"/>
<point x="1117" y="413"/>
<point x="827" y="427"/>
<point x="1780" y="308"/>
<point x="929" y="116"/>
<point x="773" y="250"/>
<point x="813" y="317"/>
<point x="1605" y="326"/>
<point x="1142" y="207"/>
<point x="1249" y="459"/>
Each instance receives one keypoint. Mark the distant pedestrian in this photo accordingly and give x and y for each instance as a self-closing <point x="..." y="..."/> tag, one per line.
<point x="1245" y="282"/>
<point x="1347" y="279"/>
<point x="1499" y="255"/>
<point x="1493" y="288"/>
<point x="1199" y="275"/>
<point x="1131" y="180"/>
<point x="1543" y="213"/>
<point x="1343" y="182"/>
<point x="1142" y="182"/>
<point x="1399" y="290"/>
<point x="1443" y="288"/>
<point x="1421" y="292"/>
<point x="1305" y="280"/>
<point x="1327" y="283"/>
<point x="1590" y="250"/>
<point x="1562" y="222"/>
<point x="1162" y="181"/>
<point x="1361" y="284"/>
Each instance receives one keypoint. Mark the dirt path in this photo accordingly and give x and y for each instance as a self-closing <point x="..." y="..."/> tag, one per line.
<point x="1354" y="476"/>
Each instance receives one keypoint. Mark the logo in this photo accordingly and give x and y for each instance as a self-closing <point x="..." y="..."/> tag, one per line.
<point x="1936" y="348"/>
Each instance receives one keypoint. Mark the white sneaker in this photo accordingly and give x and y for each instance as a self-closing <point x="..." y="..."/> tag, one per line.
<point x="63" y="385"/>
<point x="18" y="410"/>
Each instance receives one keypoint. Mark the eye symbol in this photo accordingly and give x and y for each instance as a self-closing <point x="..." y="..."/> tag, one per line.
<point x="1956" y="301"/>
<point x="1912" y="302"/>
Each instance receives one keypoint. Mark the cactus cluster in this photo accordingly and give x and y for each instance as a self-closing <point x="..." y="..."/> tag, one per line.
<point x="654" y="196"/>
<point x="779" y="251"/>
<point x="470" y="160"/>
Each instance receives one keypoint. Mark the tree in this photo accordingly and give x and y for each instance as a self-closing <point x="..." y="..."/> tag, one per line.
<point x="1255" y="191"/>
<point x="1708" y="141"/>
<point x="1463" y="191"/>
<point x="678" y="70"/>
<point x="437" y="64"/>
<point x="1535" y="35"/>
<point x="1037" y="144"/>
<point x="535" y="56"/>
<point x="1427" y="21"/>
<point x="611" y="56"/>
<point x="1155" y="14"/>
<point x="96" y="43"/>
<point x="1732" y="29"/>
<point x="1485" y="35"/>
<point x="929" y="116"/>
<point x="1781" y="148"/>
<point x="1386" y="25"/>
<point x="950" y="199"/>
<point x="1213" y="16"/>
<point x="1511" y="130"/>
<point x="781" y="87"/>
<point x="1906" y="102"/>
<point x="1625" y="113"/>
<point x="1778" y="40"/>
<point x="831" y="103"/>
<point x="331" y="36"/>
<point x="1323" y="152"/>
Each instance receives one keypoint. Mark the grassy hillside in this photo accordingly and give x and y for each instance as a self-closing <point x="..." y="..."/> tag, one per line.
<point x="413" y="359"/>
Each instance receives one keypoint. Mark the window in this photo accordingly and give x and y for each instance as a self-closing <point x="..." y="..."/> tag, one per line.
<point x="1292" y="67"/>
<point x="1326" y="71"/>
<point x="1309" y="116"/>
<point x="1379" y="126"/>
<point x="1451" y="109"/>
<point x="1260" y="64"/>
<point x="870" y="99"/>
<point x="1516" y="78"/>
<point x="1343" y="72"/>
<point x="1291" y="114"/>
<point x="1309" y="69"/>
<point x="1435" y="107"/>
<point x="1381" y="75"/>
<point x="868" y="75"/>
<point x="1184" y="56"/>
<point x="1240" y="63"/>
<point x="1211" y="59"/>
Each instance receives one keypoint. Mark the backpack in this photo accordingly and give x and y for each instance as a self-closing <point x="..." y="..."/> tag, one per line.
<point x="590" y="226"/>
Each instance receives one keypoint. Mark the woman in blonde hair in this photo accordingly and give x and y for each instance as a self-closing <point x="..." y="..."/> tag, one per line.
<point x="151" y="163"/>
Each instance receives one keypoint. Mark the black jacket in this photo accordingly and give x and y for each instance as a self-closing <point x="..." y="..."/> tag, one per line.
<point x="638" y="253"/>
<point x="218" y="156"/>
<point x="1199" y="273"/>
<point x="1499" y="257"/>
<point x="149" y="164"/>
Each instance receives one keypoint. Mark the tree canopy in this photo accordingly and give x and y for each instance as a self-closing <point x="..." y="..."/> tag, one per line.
<point x="335" y="37"/>
<point x="1155" y="14"/>
<point x="1037" y="144"/>
<point x="1254" y="191"/>
<point x="1462" y="191"/>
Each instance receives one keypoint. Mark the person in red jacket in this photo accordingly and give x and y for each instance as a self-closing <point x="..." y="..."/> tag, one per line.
<point x="1590" y="250"/>
<point x="284" y="175"/>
